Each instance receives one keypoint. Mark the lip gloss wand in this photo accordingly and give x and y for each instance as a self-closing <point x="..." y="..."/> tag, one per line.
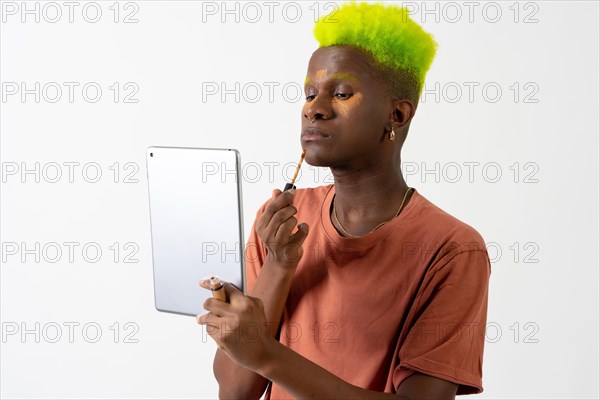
<point x="218" y="289"/>
<point x="291" y="184"/>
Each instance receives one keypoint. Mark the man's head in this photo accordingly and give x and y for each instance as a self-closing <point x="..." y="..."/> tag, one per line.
<point x="400" y="49"/>
<point x="363" y="81"/>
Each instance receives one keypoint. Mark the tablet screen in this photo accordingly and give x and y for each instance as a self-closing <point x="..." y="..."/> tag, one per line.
<point x="196" y="223"/>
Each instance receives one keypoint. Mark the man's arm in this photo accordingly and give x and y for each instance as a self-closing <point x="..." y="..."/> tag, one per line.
<point x="273" y="227"/>
<point x="297" y="375"/>
<point x="236" y="382"/>
<point x="304" y="379"/>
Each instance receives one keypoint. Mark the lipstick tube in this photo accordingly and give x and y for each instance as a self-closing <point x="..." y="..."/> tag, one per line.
<point x="218" y="289"/>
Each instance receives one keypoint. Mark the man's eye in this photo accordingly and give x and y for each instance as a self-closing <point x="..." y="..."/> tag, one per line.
<point x="343" y="95"/>
<point x="309" y="98"/>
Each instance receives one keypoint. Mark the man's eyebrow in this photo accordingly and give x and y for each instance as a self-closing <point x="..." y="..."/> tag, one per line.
<point x="337" y="75"/>
<point x="344" y="75"/>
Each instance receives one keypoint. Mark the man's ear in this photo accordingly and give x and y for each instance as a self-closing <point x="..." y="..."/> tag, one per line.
<point x="403" y="112"/>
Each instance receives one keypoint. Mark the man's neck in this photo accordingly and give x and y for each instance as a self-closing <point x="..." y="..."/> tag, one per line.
<point x="364" y="199"/>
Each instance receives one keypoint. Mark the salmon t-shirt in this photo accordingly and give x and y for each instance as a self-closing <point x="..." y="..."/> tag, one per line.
<point x="409" y="297"/>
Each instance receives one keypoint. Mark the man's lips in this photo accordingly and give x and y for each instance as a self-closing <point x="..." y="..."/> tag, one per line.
<point x="313" y="134"/>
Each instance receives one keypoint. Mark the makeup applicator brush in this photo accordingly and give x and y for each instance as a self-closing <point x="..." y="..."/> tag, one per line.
<point x="291" y="184"/>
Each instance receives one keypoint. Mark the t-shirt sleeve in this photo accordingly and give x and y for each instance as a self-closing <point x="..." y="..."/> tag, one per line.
<point x="254" y="253"/>
<point x="446" y="332"/>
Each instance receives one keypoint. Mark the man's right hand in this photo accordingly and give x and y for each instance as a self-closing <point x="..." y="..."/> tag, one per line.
<point x="274" y="227"/>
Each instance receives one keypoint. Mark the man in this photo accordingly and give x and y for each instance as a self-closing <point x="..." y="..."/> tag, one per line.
<point x="385" y="296"/>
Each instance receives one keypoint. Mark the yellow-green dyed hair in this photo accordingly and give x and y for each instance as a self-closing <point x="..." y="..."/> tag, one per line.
<point x="401" y="49"/>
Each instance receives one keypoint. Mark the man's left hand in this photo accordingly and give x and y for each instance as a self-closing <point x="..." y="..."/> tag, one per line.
<point x="239" y="327"/>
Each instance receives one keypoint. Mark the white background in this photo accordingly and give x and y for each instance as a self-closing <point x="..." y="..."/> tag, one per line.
<point x="539" y="217"/>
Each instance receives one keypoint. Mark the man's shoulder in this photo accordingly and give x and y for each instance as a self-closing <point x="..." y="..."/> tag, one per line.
<point x="439" y="225"/>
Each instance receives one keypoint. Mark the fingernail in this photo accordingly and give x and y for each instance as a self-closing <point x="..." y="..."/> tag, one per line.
<point x="292" y="191"/>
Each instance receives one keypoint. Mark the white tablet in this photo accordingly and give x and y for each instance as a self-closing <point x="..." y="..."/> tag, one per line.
<point x="196" y="223"/>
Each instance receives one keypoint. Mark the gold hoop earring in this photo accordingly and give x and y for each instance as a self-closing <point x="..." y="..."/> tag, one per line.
<point x="392" y="135"/>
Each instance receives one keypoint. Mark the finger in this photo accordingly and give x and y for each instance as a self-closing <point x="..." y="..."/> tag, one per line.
<point x="282" y="200"/>
<point x="293" y="251"/>
<point x="204" y="283"/>
<point x="234" y="294"/>
<point x="220" y="307"/>
<point x="207" y="319"/>
<point x="281" y="217"/>
<point x="300" y="235"/>
<point x="217" y="307"/>
<point x="211" y="326"/>
<point x="285" y="230"/>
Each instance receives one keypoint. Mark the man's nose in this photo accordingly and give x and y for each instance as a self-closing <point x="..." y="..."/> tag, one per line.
<point x="317" y="109"/>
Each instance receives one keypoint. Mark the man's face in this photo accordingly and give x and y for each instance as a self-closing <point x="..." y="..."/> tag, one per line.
<point x="349" y="107"/>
